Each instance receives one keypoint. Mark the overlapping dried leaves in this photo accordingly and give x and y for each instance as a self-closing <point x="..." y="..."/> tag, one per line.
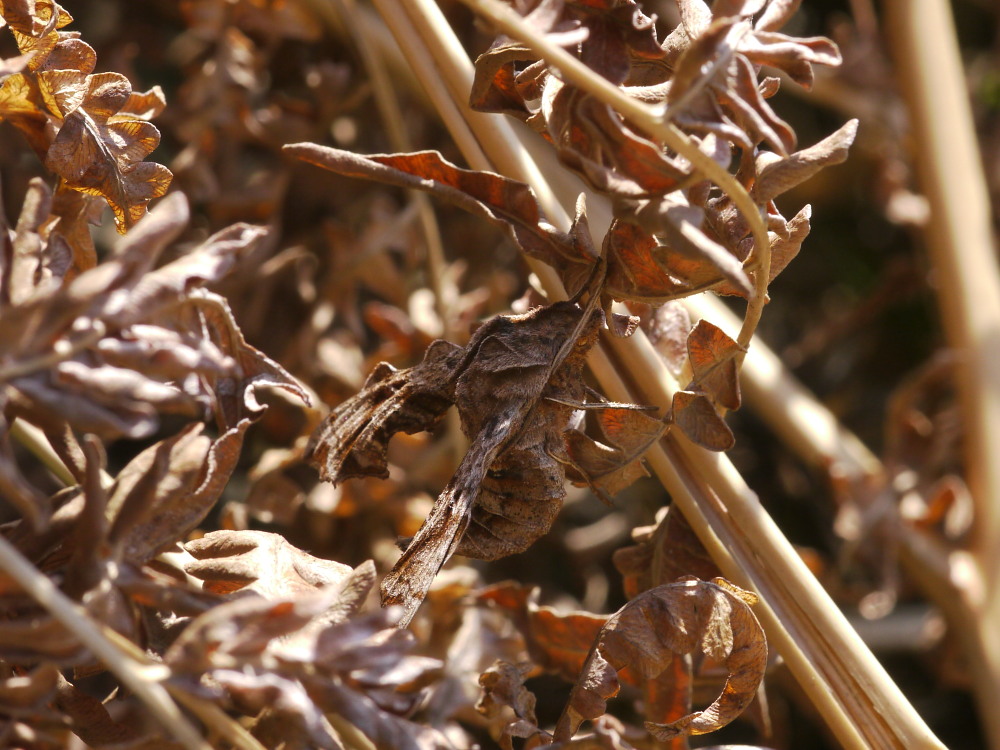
<point x="139" y="347"/>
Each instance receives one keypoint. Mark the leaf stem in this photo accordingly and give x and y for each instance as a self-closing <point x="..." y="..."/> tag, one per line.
<point x="213" y="716"/>
<point x="34" y="440"/>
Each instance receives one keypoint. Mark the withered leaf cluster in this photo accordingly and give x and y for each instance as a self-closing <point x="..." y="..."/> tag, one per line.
<point x="658" y="628"/>
<point x="90" y="128"/>
<point x="149" y="452"/>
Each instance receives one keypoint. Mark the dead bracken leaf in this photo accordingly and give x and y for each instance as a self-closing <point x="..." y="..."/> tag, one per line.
<point x="258" y="561"/>
<point x="777" y="175"/>
<point x="90" y="128"/>
<point x="499" y="199"/>
<point x="645" y="635"/>
<point x="556" y="641"/>
<point x="612" y="466"/>
<point x="697" y="418"/>
<point x="100" y="146"/>
<point x="662" y="553"/>
<point x="711" y="354"/>
<point x="504" y="690"/>
<point x="90" y="383"/>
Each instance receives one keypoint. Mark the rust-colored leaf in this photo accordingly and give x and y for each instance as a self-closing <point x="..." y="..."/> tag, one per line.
<point x="678" y="618"/>
<point x="794" y="55"/>
<point x="697" y="418"/>
<point x="712" y="356"/>
<point x="35" y="24"/>
<point x="785" y="247"/>
<point x="739" y="94"/>
<point x="90" y="129"/>
<point x="500" y="199"/>
<point x="90" y="718"/>
<point x="594" y="141"/>
<point x="498" y="86"/>
<point x="97" y="395"/>
<point x="663" y="553"/>
<point x="636" y="267"/>
<point x="681" y="227"/>
<point x="557" y="641"/>
<point x="612" y="466"/>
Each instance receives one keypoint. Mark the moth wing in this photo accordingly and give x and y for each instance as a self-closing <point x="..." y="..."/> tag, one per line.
<point x="411" y="577"/>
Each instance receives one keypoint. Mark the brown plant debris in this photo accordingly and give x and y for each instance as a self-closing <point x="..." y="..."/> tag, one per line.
<point x="90" y="128"/>
<point x="645" y="635"/>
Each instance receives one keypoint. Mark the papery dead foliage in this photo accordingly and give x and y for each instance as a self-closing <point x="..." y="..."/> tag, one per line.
<point x="145" y="346"/>
<point x="644" y="635"/>
<point x="108" y="352"/>
<point x="120" y="344"/>
<point x="89" y="128"/>
<point x="303" y="656"/>
<point x="635" y="646"/>
<point x="673" y="235"/>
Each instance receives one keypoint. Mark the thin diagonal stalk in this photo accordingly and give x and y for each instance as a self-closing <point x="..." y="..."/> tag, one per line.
<point x="213" y="716"/>
<point x="858" y="700"/>
<point x="35" y="441"/>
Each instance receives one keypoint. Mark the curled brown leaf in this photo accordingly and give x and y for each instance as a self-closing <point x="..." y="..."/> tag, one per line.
<point x="677" y="618"/>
